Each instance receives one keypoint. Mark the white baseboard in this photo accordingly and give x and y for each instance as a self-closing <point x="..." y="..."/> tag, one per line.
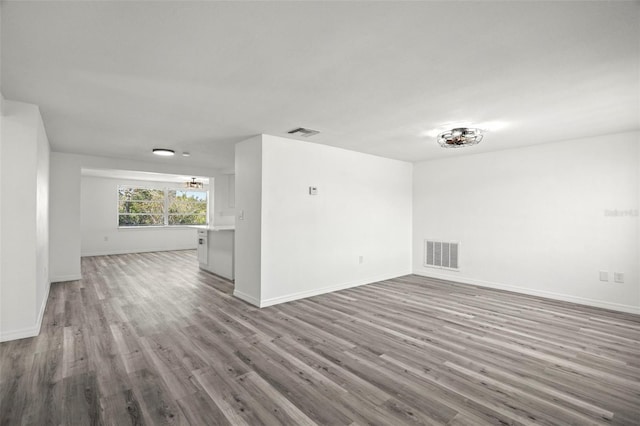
<point x="315" y="292"/>
<point x="23" y="333"/>
<point x="250" y="299"/>
<point x="63" y="278"/>
<point x="28" y="331"/>
<point x="533" y="292"/>
<point x="131" y="251"/>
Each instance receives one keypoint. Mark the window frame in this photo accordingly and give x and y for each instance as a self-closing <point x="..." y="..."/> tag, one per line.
<point x="168" y="204"/>
<point x="165" y="208"/>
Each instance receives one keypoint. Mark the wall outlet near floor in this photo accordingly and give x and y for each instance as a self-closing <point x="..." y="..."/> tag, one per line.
<point x="604" y="276"/>
<point x="618" y="277"/>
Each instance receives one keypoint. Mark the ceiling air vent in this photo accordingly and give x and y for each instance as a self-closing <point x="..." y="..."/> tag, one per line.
<point x="440" y="254"/>
<point x="301" y="131"/>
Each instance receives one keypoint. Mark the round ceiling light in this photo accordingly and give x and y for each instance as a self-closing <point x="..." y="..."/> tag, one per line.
<point x="163" y="152"/>
<point x="461" y="136"/>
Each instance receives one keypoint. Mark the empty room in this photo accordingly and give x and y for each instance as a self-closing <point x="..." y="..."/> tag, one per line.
<point x="319" y="213"/>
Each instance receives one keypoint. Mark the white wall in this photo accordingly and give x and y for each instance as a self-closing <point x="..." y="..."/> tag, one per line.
<point x="248" y="200"/>
<point x="312" y="244"/>
<point x="100" y="234"/>
<point x="65" y="217"/>
<point x="2" y="132"/>
<point x="223" y="212"/>
<point x="534" y="219"/>
<point x="24" y="232"/>
<point x="65" y="199"/>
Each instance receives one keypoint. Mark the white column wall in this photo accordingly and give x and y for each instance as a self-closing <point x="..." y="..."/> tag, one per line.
<point x="357" y="230"/>
<point x="247" y="249"/>
<point x="24" y="233"/>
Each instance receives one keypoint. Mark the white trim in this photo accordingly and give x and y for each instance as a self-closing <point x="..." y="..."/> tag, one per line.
<point x="532" y="292"/>
<point x="328" y="289"/>
<point x="20" y="334"/>
<point x="130" y="251"/>
<point x="156" y="227"/>
<point x="63" y="278"/>
<point x="28" y="331"/>
<point x="246" y="298"/>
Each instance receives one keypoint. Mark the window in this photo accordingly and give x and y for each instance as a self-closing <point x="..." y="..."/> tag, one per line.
<point x="161" y="207"/>
<point x="140" y="207"/>
<point x="187" y="207"/>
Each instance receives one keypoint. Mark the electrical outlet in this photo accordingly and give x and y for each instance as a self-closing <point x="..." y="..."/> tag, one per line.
<point x="313" y="190"/>
<point x="618" y="277"/>
<point x="361" y="259"/>
<point x="604" y="276"/>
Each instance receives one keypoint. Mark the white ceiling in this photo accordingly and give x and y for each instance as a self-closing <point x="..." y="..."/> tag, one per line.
<point x="119" y="78"/>
<point x="144" y="176"/>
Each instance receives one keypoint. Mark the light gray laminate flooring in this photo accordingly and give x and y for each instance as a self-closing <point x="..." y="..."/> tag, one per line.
<point x="150" y="339"/>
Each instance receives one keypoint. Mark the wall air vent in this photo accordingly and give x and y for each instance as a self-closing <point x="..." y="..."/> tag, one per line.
<point x="440" y="254"/>
<point x="301" y="131"/>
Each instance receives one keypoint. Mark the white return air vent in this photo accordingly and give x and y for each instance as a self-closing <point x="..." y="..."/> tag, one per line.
<point x="440" y="254"/>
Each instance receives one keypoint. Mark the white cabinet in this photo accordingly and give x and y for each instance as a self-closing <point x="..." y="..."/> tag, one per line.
<point x="203" y="247"/>
<point x="220" y="260"/>
<point x="215" y="250"/>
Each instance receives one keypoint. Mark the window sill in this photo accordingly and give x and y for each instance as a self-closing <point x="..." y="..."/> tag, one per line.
<point x="163" y="227"/>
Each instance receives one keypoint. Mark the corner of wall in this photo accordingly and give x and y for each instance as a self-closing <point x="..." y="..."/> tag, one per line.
<point x="247" y="298"/>
<point x="529" y="223"/>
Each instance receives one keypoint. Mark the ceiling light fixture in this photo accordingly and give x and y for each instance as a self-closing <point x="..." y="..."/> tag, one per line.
<point x="460" y="136"/>
<point x="304" y="132"/>
<point x="163" y="152"/>
<point x="193" y="184"/>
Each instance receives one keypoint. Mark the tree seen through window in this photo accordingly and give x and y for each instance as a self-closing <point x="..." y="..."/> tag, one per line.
<point x="161" y="207"/>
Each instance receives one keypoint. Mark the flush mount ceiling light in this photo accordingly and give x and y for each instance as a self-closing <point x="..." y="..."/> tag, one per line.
<point x="460" y="136"/>
<point x="301" y="131"/>
<point x="193" y="184"/>
<point x="163" y="152"/>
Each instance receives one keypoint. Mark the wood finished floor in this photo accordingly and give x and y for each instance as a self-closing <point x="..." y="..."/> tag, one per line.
<point x="150" y="339"/>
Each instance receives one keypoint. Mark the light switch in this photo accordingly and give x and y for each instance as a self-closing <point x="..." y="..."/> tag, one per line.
<point x="313" y="190"/>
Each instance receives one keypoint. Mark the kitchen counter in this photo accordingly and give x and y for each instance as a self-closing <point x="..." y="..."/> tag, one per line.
<point x="221" y="228"/>
<point x="215" y="250"/>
